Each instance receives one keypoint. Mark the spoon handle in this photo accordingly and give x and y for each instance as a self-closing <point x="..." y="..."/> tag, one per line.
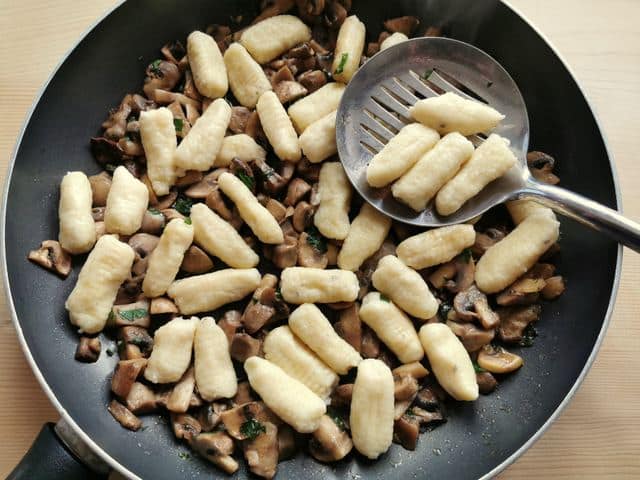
<point x="586" y="211"/>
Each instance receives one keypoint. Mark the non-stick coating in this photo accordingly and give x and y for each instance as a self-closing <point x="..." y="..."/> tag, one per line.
<point x="479" y="436"/>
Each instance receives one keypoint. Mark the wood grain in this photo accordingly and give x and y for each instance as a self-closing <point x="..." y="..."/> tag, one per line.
<point x="597" y="435"/>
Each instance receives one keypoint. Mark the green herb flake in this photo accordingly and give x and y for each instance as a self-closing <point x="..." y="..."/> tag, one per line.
<point x="410" y="412"/>
<point x="343" y="62"/>
<point x="131" y="315"/>
<point x="316" y="240"/>
<point x="466" y="255"/>
<point x="188" y="221"/>
<point x="384" y="298"/>
<point x="528" y="336"/>
<point x="252" y="428"/>
<point x="246" y="179"/>
<point x="155" y="68"/>
<point x="478" y="368"/>
<point x="337" y="418"/>
<point x="278" y="293"/>
<point x="184" y="455"/>
<point x="183" y="205"/>
<point x="178" y="123"/>
<point x="427" y="73"/>
<point x="154" y="211"/>
<point x="443" y="311"/>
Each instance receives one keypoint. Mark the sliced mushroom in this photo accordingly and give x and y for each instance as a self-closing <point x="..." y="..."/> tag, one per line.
<point x="310" y="254"/>
<point x="107" y="152"/>
<point x="51" y="256"/>
<point x="235" y="419"/>
<point x="100" y="186"/>
<point x="160" y="75"/>
<point x="428" y="399"/>
<point x="162" y="305"/>
<point x="283" y="255"/>
<point x="541" y="166"/>
<point x="329" y="443"/>
<point x="427" y="417"/>
<point x="141" y="399"/>
<point x="487" y="383"/>
<point x="125" y="374"/>
<point x="216" y="447"/>
<point x="243" y="395"/>
<point x="256" y="316"/>
<point x="172" y="214"/>
<point x="406" y="24"/>
<point x="341" y="396"/>
<point x="282" y="75"/>
<point x="261" y="452"/>
<point x="254" y="129"/>
<point x="514" y="320"/>
<point x="414" y="369"/>
<point x="209" y="415"/>
<point x="241" y="169"/>
<point x="554" y="287"/>
<point x="215" y="201"/>
<point x="289" y="91"/>
<point x="152" y="222"/>
<point x="312" y="80"/>
<point x="406" y="430"/>
<point x="524" y="291"/>
<point x="472" y="337"/>
<point x="405" y="387"/>
<point x="98" y="214"/>
<point x="370" y="347"/>
<point x="372" y="49"/>
<point x="334" y="15"/>
<point x="302" y="216"/>
<point x="173" y="51"/>
<point x="136" y="313"/>
<point x="185" y="427"/>
<point x="124" y="416"/>
<point x="230" y="322"/>
<point x="498" y="360"/>
<point x="296" y="191"/>
<point x="244" y="346"/>
<point x="349" y="326"/>
<point x="203" y="187"/>
<point x="138" y="337"/>
<point x="167" y="200"/>
<point x="196" y="261"/>
<point x="277" y="209"/>
<point x="88" y="350"/>
<point x="189" y="178"/>
<point x="472" y="304"/>
<point x="239" y="117"/>
<point x="485" y="240"/>
<point x="143" y="243"/>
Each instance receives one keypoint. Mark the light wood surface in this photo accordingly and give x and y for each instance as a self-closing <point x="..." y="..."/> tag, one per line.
<point x="598" y="434"/>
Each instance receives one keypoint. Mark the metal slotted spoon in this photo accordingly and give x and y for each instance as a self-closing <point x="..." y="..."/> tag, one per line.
<point x="375" y="106"/>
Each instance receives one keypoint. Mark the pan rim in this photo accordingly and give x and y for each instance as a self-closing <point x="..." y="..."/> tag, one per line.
<point x="113" y="463"/>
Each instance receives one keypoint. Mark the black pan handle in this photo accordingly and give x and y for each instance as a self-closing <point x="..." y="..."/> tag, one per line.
<point x="50" y="459"/>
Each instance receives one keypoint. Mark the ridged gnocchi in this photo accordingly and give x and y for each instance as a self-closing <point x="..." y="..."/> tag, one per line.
<point x="334" y="189"/>
<point x="158" y="136"/>
<point x="171" y="354"/>
<point x="366" y="234"/>
<point x="246" y="77"/>
<point x="278" y="128"/>
<point x="315" y="285"/>
<point x="318" y="141"/>
<point x="349" y="46"/>
<point x="126" y="203"/>
<point x="240" y="146"/>
<point x="275" y="35"/>
<point x="207" y="65"/>
<point x="215" y="375"/>
<point x="435" y="246"/>
<point x="77" y="228"/>
<point x="316" y="105"/>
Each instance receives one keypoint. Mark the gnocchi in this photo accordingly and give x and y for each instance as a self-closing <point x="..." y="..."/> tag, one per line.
<point x="435" y="246"/>
<point x="278" y="128"/>
<point x="275" y="35"/>
<point x="313" y="107"/>
<point x="400" y="154"/>
<point x="366" y="234"/>
<point x="521" y="209"/>
<point x="204" y="293"/>
<point x="452" y="113"/>
<point x="240" y="146"/>
<point x="126" y="203"/>
<point x="158" y="136"/>
<point x="289" y="398"/>
<point x="258" y="218"/>
<point x="449" y="361"/>
<point x="77" y="228"/>
<point x="107" y="266"/>
<point x="207" y="65"/>
<point x="349" y="47"/>
<point x="393" y="39"/>
<point x="392" y="326"/>
<point x="171" y="354"/>
<point x="246" y="77"/>
<point x="318" y="141"/>
<point x="315" y="285"/>
<point x="215" y="375"/>
<point x="334" y="189"/>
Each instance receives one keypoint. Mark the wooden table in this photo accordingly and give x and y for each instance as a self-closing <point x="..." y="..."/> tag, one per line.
<point x="598" y="434"/>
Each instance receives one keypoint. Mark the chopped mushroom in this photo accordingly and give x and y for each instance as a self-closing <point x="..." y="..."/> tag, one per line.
<point x="230" y="322"/>
<point x="261" y="451"/>
<point x="302" y="216"/>
<point x="414" y="369"/>
<point x="370" y="346"/>
<point x="237" y="420"/>
<point x="209" y="415"/>
<point x="141" y="399"/>
<point x="405" y="387"/>
<point x="203" y="187"/>
<point x="485" y="240"/>
<point x="244" y="346"/>
<point x="289" y="91"/>
<point x="498" y="360"/>
<point x="277" y="209"/>
<point x="166" y="201"/>
<point x="307" y="170"/>
<point x="514" y="320"/>
<point x="287" y="444"/>
<point x="243" y="395"/>
<point x="428" y="399"/>
<point x="239" y="117"/>
<point x="189" y="178"/>
<point x="330" y="443"/>
<point x="283" y="255"/>
<point x="125" y="374"/>
<point x="216" y="447"/>
<point x="312" y="80"/>
<point x="51" y="256"/>
<point x="522" y="292"/>
<point x="88" y="350"/>
<point x="406" y="430"/>
<point x="296" y="191"/>
<point x="143" y="243"/>
<point x="162" y="305"/>
<point x="185" y="426"/>
<point x="310" y="254"/>
<point x="456" y="275"/>
<point x="161" y="75"/>
<point x="341" y="396"/>
<point x="427" y="417"/>
<point x="124" y="416"/>
<point x="472" y="337"/>
<point x="406" y="24"/>
<point x="349" y="326"/>
<point x="173" y="51"/>
<point x="137" y="337"/>
<point x="554" y="287"/>
<point x="541" y="166"/>
<point x="487" y="383"/>
<point x="152" y="222"/>
<point x="472" y="304"/>
<point x="196" y="261"/>
<point x="100" y="186"/>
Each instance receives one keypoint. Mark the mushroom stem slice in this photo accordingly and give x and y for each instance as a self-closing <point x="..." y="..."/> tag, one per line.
<point x="498" y="360"/>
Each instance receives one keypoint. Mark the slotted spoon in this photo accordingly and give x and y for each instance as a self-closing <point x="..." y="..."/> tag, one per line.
<point x="375" y="105"/>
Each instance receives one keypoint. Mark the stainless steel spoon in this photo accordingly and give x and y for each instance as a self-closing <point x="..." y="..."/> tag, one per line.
<point x="375" y="105"/>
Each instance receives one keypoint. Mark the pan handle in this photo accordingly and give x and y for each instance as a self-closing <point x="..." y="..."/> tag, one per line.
<point x="50" y="459"/>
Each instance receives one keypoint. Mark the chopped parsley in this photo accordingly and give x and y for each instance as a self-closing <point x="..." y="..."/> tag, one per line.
<point x="278" y="293"/>
<point x="478" y="368"/>
<point x="343" y="62"/>
<point x="384" y="298"/>
<point x="246" y="179"/>
<point x="184" y="455"/>
<point x="187" y="220"/>
<point x="443" y="311"/>
<point x="155" y="68"/>
<point x="252" y="428"/>
<point x="316" y="240"/>
<point x="178" y="123"/>
<point x="466" y="255"/>
<point x="410" y="412"/>
<point x="337" y="418"/>
<point x="183" y="205"/>
<point x="427" y="74"/>
<point x="131" y="315"/>
<point x="528" y="336"/>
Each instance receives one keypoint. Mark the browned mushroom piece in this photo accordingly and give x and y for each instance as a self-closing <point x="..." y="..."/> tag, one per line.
<point x="372" y="48"/>
<point x="413" y="369"/>
<point x="427" y="418"/>
<point x="88" y="350"/>
<point x="311" y="253"/>
<point x="332" y="254"/>
<point x="289" y="91"/>
<point x="302" y="216"/>
<point x="271" y="8"/>
<point x="137" y="337"/>
<point x="312" y="80"/>
<point x="282" y="75"/>
<point x="257" y="316"/>
<point x="242" y="170"/>
<point x="428" y="399"/>
<point x="185" y="426"/>
<point x="554" y="287"/>
<point x="97" y="213"/>
<point x="207" y="184"/>
<point x="244" y="394"/>
<point x="189" y="178"/>
<point x="124" y="416"/>
<point x="143" y="243"/>
<point x="161" y="306"/>
<point x="270" y="180"/>
<point x="541" y="166"/>
<point x="53" y="257"/>
<point x="166" y="201"/>
<point x="296" y="191"/>
<point x="370" y="347"/>
<point x="160" y="75"/>
<point x="107" y="152"/>
<point x="209" y="415"/>
<point x="308" y="9"/>
<point x="283" y="255"/>
<point x="172" y="214"/>
<point x="253" y="128"/>
<point x="472" y="337"/>
<point x="526" y="289"/>
<point x="196" y="261"/>
<point x="173" y="51"/>
<point x="141" y="399"/>
<point x="406" y="430"/>
<point x="486" y="239"/>
<point x="277" y="209"/>
<point x="329" y="443"/>
<point x="152" y="222"/>
<point x="132" y="148"/>
<point x="261" y="451"/>
<point x="487" y="383"/>
<point x="136" y="313"/>
<point x="241" y="421"/>
<point x="244" y="346"/>
<point x="216" y="447"/>
<point x="341" y="396"/>
<point x="404" y="387"/>
<point x="125" y="374"/>
<point x="406" y="24"/>
<point x="370" y="264"/>
<point x="334" y="14"/>
<point x="349" y="326"/>
<point x="498" y="360"/>
<point x="230" y="322"/>
<point x="514" y="320"/>
<point x="189" y="87"/>
<point x="100" y="186"/>
<point x="471" y="304"/>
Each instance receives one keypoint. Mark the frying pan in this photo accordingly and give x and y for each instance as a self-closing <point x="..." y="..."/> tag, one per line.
<point x="480" y="438"/>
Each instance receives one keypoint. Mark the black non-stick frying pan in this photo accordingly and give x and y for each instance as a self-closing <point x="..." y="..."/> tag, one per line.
<point x="479" y="439"/>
